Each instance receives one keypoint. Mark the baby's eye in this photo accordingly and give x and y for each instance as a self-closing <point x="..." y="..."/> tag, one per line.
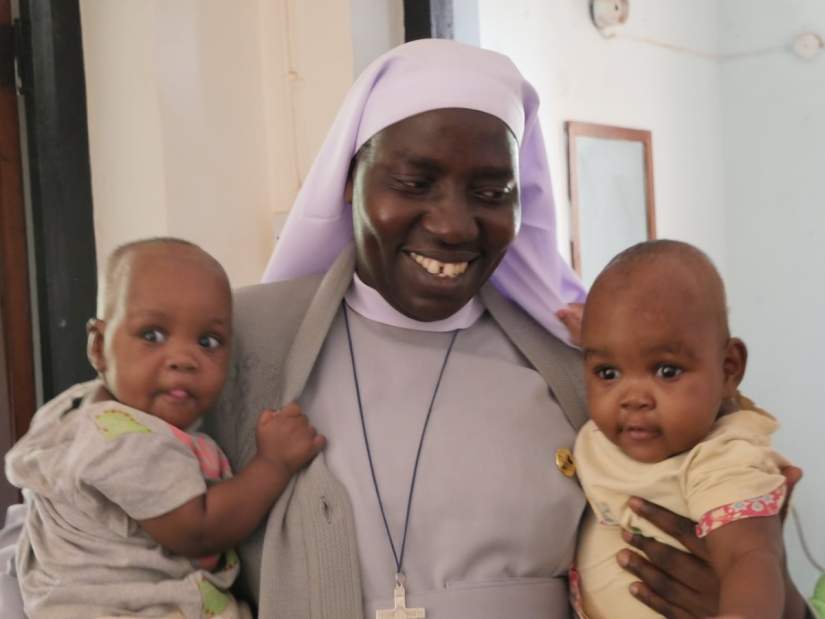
<point x="668" y="371"/>
<point x="156" y="336"/>
<point x="607" y="373"/>
<point x="209" y="341"/>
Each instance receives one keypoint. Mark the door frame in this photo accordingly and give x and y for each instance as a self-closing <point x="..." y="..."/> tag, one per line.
<point x="17" y="383"/>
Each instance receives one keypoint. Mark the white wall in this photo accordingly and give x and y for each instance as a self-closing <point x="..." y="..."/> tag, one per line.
<point x="205" y="115"/>
<point x="739" y="164"/>
<point x="377" y="26"/>
<point x="774" y="130"/>
<point x="582" y="76"/>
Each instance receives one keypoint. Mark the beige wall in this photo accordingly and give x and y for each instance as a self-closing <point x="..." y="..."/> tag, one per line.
<point x="204" y="116"/>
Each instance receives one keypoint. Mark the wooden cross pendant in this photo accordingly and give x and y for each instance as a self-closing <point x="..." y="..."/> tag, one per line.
<point x="400" y="611"/>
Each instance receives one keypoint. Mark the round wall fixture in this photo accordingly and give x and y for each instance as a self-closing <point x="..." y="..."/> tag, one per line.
<point x="609" y="13"/>
<point x="807" y="45"/>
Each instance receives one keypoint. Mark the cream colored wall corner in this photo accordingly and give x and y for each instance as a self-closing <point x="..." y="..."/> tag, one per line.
<point x="204" y="116"/>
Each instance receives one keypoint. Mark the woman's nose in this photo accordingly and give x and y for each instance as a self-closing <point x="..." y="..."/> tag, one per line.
<point x="451" y="218"/>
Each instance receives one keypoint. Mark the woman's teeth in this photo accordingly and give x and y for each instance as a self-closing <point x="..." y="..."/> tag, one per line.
<point x="438" y="268"/>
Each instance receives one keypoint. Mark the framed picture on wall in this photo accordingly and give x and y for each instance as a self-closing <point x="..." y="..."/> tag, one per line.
<point x="611" y="193"/>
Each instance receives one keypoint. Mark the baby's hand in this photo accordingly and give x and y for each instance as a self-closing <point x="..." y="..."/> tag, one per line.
<point x="286" y="439"/>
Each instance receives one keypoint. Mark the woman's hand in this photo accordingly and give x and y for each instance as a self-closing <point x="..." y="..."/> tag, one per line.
<point x="571" y="317"/>
<point x="681" y="585"/>
<point x="673" y="583"/>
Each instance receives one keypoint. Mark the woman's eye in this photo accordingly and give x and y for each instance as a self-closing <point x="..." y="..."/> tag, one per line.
<point x="668" y="371"/>
<point x="607" y="373"/>
<point x="412" y="184"/>
<point x="209" y="341"/>
<point x="494" y="194"/>
<point x="156" y="336"/>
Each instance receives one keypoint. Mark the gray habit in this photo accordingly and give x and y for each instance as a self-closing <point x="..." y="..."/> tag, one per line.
<point x="493" y="521"/>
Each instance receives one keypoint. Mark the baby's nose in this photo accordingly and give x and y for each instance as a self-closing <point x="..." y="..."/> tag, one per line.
<point x="181" y="360"/>
<point x="637" y="398"/>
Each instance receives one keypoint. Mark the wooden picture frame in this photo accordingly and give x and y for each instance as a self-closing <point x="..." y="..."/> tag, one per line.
<point x="612" y="198"/>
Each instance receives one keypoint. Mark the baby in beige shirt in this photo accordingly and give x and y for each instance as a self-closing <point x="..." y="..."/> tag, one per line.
<point x="662" y="374"/>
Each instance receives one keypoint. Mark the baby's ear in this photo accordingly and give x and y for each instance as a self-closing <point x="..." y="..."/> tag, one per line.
<point x="733" y="365"/>
<point x="94" y="343"/>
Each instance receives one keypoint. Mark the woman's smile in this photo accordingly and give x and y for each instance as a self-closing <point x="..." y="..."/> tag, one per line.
<point x="440" y="268"/>
<point x="437" y="279"/>
<point x="428" y="249"/>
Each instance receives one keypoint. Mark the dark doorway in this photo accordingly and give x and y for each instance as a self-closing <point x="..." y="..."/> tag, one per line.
<point x="428" y="19"/>
<point x="59" y="256"/>
<point x="50" y="64"/>
<point x="17" y="389"/>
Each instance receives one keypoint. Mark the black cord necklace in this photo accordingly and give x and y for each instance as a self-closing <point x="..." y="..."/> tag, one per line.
<point x="400" y="592"/>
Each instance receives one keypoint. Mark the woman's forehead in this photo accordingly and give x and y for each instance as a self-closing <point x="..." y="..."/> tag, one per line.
<point x="446" y="130"/>
<point x="481" y="117"/>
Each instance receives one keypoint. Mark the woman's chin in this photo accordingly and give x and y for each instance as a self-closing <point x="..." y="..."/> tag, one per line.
<point x="430" y="309"/>
<point x="429" y="297"/>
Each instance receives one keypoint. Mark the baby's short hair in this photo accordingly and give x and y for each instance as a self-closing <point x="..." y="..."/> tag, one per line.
<point x="112" y="270"/>
<point x="700" y="265"/>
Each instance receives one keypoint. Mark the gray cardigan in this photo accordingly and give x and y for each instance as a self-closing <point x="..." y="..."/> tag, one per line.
<point x="305" y="557"/>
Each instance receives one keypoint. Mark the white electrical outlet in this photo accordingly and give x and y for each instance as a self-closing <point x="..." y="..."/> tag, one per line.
<point x="807" y="45"/>
<point x="609" y="13"/>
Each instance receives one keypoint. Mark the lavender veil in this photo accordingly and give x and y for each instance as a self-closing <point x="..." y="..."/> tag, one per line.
<point x="410" y="79"/>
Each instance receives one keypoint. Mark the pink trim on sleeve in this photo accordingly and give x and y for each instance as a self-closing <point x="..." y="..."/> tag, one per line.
<point x="765" y="505"/>
<point x="214" y="466"/>
<point x="576" y="600"/>
<point x="212" y="461"/>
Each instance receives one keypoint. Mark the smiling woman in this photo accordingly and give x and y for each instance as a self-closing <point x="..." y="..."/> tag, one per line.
<point x="414" y="366"/>
<point x="435" y="206"/>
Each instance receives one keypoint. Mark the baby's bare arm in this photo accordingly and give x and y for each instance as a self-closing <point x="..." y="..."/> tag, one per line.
<point x="230" y="510"/>
<point x="223" y="516"/>
<point x="748" y="555"/>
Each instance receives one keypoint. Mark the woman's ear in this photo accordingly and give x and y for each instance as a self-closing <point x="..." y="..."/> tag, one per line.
<point x="733" y="365"/>
<point x="94" y="343"/>
<point x="348" y="188"/>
